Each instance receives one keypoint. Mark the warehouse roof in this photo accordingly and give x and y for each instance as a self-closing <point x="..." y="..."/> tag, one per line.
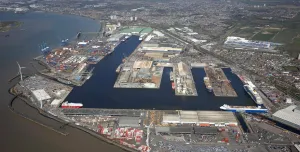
<point x="146" y="30"/>
<point x="216" y="116"/>
<point x="129" y="121"/>
<point x="180" y="129"/>
<point x="41" y="94"/>
<point x="290" y="114"/>
<point x="206" y="130"/>
<point x="199" y="117"/>
<point x="170" y="118"/>
<point x="132" y="30"/>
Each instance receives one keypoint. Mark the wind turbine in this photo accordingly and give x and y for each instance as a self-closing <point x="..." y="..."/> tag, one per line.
<point x="20" y="70"/>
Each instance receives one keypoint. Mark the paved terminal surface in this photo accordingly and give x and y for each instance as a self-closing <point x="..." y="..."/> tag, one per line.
<point x="220" y="84"/>
<point x="183" y="80"/>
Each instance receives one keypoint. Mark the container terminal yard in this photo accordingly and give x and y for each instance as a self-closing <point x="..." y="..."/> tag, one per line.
<point x="220" y="84"/>
<point x="154" y="130"/>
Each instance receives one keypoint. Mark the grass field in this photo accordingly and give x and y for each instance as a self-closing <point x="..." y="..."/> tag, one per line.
<point x="293" y="48"/>
<point x="245" y="32"/>
<point x="286" y="35"/>
<point x="264" y="36"/>
<point x="291" y="68"/>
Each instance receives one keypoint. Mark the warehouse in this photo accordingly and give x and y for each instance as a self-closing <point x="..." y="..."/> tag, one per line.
<point x="129" y="122"/>
<point x="201" y="118"/>
<point x="116" y="38"/>
<point x="217" y="118"/>
<point x="289" y="116"/>
<point x="41" y="95"/>
<point x="187" y="130"/>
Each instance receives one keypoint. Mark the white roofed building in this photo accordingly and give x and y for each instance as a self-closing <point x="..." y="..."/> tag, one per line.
<point x="289" y="116"/>
<point x="41" y="95"/>
<point x="201" y="118"/>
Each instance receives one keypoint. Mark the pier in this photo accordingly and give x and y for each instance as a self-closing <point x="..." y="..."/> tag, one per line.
<point x="220" y="84"/>
<point x="183" y="80"/>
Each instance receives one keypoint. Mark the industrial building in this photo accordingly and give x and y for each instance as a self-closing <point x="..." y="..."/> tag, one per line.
<point x="161" y="49"/>
<point x="238" y="42"/>
<point x="41" y="95"/>
<point x="116" y="38"/>
<point x="186" y="130"/>
<point x="129" y="122"/>
<point x="201" y="118"/>
<point x="136" y="30"/>
<point x="289" y="116"/>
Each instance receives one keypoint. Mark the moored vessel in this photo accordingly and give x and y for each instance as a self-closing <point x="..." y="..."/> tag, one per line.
<point x="173" y="85"/>
<point x="171" y="76"/>
<point x="207" y="84"/>
<point x="251" y="90"/>
<point x="71" y="105"/>
<point x="247" y="109"/>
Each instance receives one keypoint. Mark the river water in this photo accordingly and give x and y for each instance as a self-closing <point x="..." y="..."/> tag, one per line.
<point x="98" y="91"/>
<point x="18" y="134"/>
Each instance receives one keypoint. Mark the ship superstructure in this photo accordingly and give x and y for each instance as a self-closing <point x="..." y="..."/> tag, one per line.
<point x="251" y="89"/>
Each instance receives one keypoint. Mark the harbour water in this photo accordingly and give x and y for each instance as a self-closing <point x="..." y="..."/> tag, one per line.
<point x="98" y="91"/>
<point x="19" y="134"/>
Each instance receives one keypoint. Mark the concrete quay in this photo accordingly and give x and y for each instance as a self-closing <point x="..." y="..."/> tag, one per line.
<point x="183" y="80"/>
<point x="220" y="84"/>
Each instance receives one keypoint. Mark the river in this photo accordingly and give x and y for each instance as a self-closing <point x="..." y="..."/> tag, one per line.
<point x="18" y="134"/>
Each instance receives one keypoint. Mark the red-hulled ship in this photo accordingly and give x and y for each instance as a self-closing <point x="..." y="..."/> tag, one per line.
<point x="71" y="105"/>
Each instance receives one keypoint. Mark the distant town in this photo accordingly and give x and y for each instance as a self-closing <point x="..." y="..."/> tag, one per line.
<point x="258" y="41"/>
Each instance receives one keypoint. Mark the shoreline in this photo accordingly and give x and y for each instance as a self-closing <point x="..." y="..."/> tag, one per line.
<point x="49" y="116"/>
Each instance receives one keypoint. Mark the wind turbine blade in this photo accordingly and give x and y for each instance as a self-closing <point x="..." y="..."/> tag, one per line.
<point x="18" y="64"/>
<point x="22" y="67"/>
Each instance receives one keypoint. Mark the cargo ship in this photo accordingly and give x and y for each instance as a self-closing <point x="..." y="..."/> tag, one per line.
<point x="71" y="105"/>
<point x="171" y="76"/>
<point x="207" y="84"/>
<point x="246" y="109"/>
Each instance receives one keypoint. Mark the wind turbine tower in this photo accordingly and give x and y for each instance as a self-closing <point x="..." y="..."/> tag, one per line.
<point x="20" y="71"/>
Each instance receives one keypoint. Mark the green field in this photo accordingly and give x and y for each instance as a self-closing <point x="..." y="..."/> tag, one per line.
<point x="291" y="68"/>
<point x="245" y="32"/>
<point x="286" y="36"/>
<point x="261" y="36"/>
<point x="294" y="48"/>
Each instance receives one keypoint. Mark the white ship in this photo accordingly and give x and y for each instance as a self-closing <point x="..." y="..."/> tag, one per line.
<point x="140" y="38"/>
<point x="247" y="109"/>
<point x="251" y="90"/>
<point x="71" y="105"/>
